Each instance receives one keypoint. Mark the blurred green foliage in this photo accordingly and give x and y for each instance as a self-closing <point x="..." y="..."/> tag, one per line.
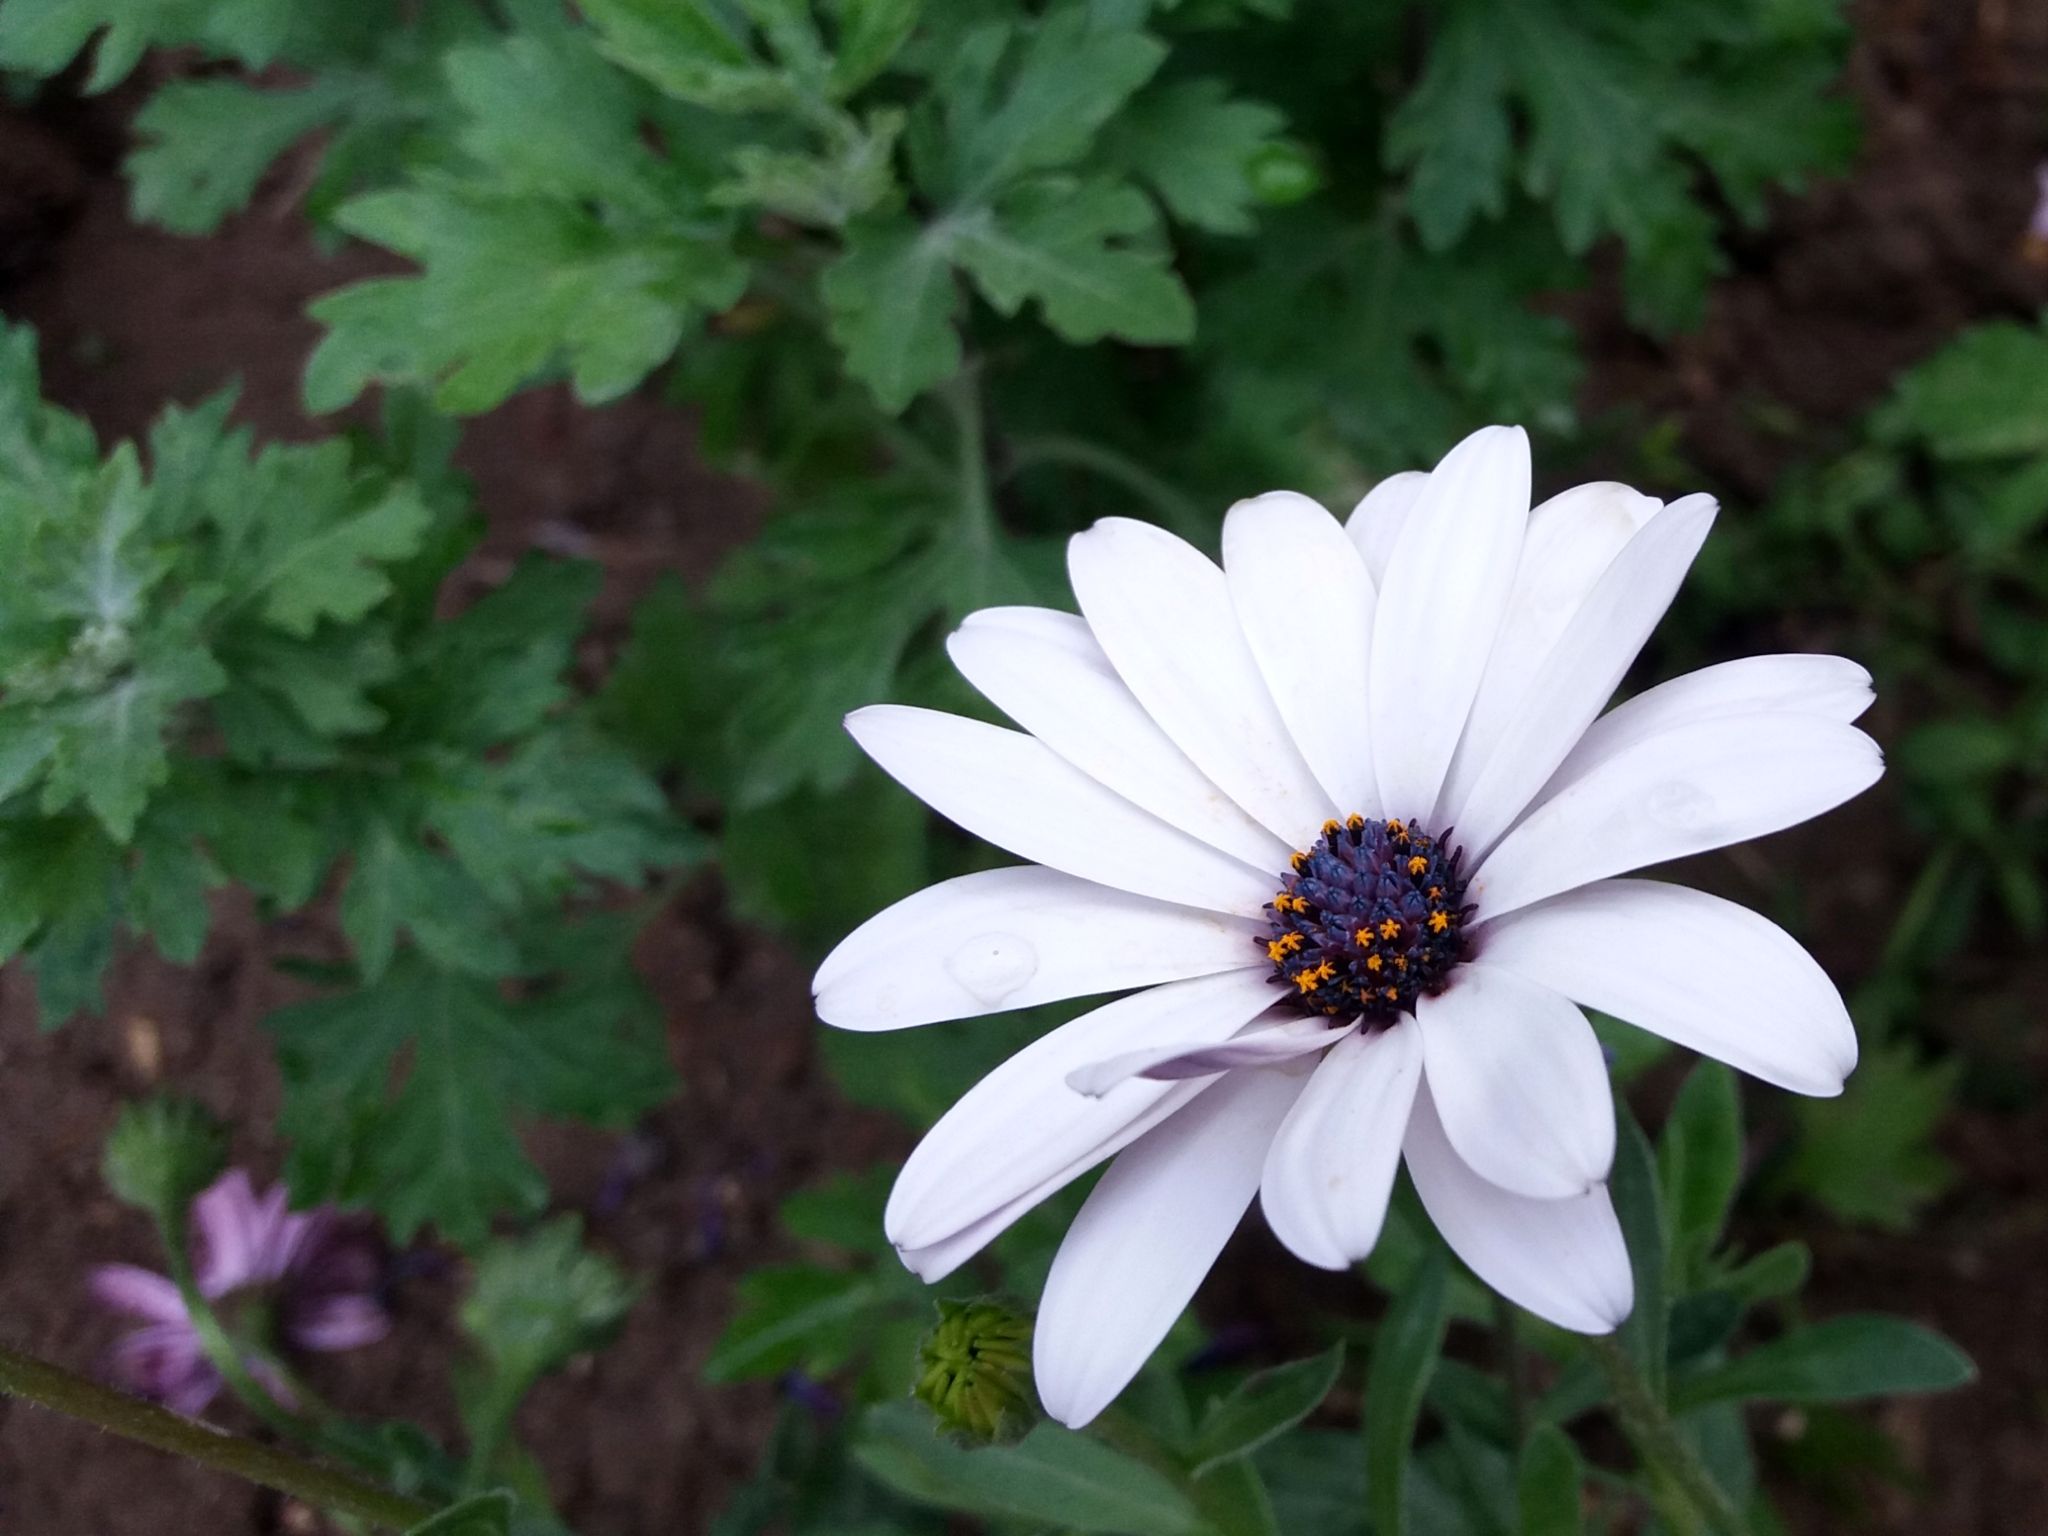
<point x="230" y="668"/>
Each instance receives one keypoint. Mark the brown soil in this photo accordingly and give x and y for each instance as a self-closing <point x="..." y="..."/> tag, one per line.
<point x="1847" y="284"/>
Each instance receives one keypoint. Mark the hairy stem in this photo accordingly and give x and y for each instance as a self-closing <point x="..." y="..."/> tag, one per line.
<point x="1657" y="1440"/>
<point x="1107" y="464"/>
<point x="74" y="1396"/>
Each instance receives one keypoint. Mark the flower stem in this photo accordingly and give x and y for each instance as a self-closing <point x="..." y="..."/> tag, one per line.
<point x="61" y="1391"/>
<point x="1107" y="464"/>
<point x="220" y="1349"/>
<point x="1657" y="1440"/>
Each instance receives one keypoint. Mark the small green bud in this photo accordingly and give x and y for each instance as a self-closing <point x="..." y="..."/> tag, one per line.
<point x="539" y="1299"/>
<point x="161" y="1154"/>
<point x="1284" y="172"/>
<point x="974" y="1370"/>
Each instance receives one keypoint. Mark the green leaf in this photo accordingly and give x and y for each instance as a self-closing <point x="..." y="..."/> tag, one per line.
<point x="1837" y="1361"/>
<point x="1640" y="1211"/>
<point x="1452" y="133"/>
<point x="1081" y="250"/>
<point x="1978" y="398"/>
<point x="111" y="747"/>
<point x="1699" y="1166"/>
<point x="160" y="1155"/>
<point x="795" y="1315"/>
<point x="1404" y="1354"/>
<point x="404" y="1094"/>
<point x="43" y="36"/>
<point x="892" y="298"/>
<point x="541" y="1299"/>
<point x="1868" y="1156"/>
<point x="1074" y="69"/>
<point x="686" y="48"/>
<point x="1263" y="1407"/>
<point x="605" y="303"/>
<point x="1052" y="1477"/>
<point x="486" y="1514"/>
<point x="1197" y="147"/>
<point x="204" y="145"/>
<point x="1547" y="1484"/>
<point x="399" y="885"/>
<point x="870" y="33"/>
<point x="318" y="557"/>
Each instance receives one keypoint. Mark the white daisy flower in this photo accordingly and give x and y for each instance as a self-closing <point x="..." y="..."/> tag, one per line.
<point x="1341" y="820"/>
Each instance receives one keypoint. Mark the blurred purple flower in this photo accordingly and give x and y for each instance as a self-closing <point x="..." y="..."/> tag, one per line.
<point x="279" y="1279"/>
<point x="2037" y="227"/>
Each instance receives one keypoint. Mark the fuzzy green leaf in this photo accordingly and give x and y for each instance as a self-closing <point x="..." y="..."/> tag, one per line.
<point x="892" y="299"/>
<point x="206" y="143"/>
<point x="1841" y="1360"/>
<point x="510" y="288"/>
<point x="440" y="1147"/>
<point x="1196" y="146"/>
<point x="1082" y="251"/>
<point x="1052" y="1477"/>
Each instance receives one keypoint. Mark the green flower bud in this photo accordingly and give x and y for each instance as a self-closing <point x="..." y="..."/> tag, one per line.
<point x="161" y="1154"/>
<point x="974" y="1370"/>
<point x="1284" y="172"/>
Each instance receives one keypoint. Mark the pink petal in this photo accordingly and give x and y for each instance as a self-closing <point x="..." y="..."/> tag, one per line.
<point x="339" y="1322"/>
<point x="137" y="1292"/>
<point x="226" y="1222"/>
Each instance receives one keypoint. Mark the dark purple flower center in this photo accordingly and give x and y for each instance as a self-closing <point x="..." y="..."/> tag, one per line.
<point x="1369" y="919"/>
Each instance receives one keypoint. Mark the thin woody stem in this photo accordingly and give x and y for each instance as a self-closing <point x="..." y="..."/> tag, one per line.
<point x="76" y="1397"/>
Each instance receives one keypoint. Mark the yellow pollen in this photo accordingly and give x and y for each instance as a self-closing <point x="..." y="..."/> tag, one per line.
<point x="1373" y="962"/>
<point x="1392" y="993"/>
<point x="1354" y="822"/>
<point x="1329" y="829"/>
<point x="1439" y="921"/>
<point x="1417" y="864"/>
<point x="1388" y="928"/>
<point x="1400" y="962"/>
<point x="1435" y="893"/>
<point x="1397" y="828"/>
<point x="1308" y="981"/>
<point x="1299" y="861"/>
<point x="1275" y="950"/>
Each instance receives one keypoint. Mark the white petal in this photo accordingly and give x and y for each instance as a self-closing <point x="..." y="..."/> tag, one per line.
<point x="1162" y="614"/>
<point x="1017" y="793"/>
<point x="1014" y="938"/>
<point x="1376" y="522"/>
<point x="1305" y="603"/>
<point x="1826" y="687"/>
<point x="1044" y="670"/>
<point x="1563" y="1260"/>
<point x="1495" y="778"/>
<point x="1682" y="791"/>
<point x="1331" y="1167"/>
<point x="1146" y="1237"/>
<point x="1022" y="1124"/>
<point x="934" y="1261"/>
<point x="1520" y="1082"/>
<point x="1439" y="606"/>
<point x="1572" y="538"/>
<point x="1259" y="1046"/>
<point x="1706" y="973"/>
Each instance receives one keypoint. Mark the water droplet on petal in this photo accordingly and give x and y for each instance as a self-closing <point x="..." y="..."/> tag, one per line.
<point x="993" y="965"/>
<point x="1682" y="804"/>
